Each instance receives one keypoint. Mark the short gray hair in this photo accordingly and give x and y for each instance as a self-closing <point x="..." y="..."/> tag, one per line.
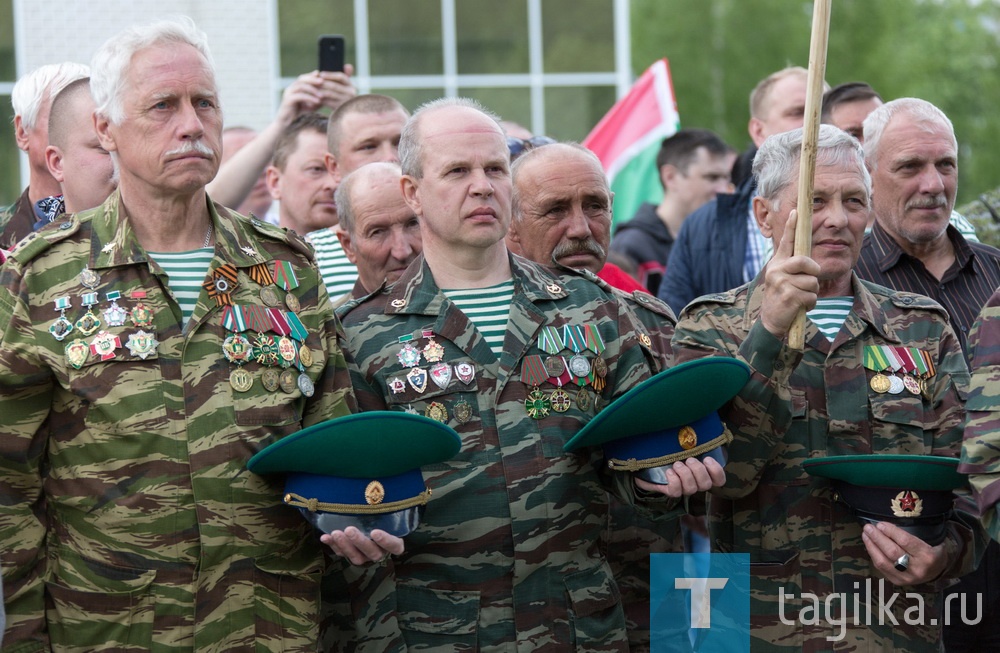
<point x="345" y="207"/>
<point x="777" y="161"/>
<point x="922" y="112"/>
<point x="410" y="148"/>
<point x="45" y="81"/>
<point x="533" y="153"/>
<point x="111" y="62"/>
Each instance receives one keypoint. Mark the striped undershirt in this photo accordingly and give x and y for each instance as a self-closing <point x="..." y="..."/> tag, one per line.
<point x="488" y="309"/>
<point x="829" y="314"/>
<point x="186" y="271"/>
<point x="338" y="273"/>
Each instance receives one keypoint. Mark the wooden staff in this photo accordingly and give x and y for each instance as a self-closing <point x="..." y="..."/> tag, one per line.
<point x="807" y="163"/>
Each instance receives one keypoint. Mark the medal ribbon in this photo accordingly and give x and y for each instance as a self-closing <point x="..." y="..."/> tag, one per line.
<point x="890" y="353"/>
<point x="582" y="381"/>
<point x="256" y="318"/>
<point x="260" y="274"/>
<point x="89" y="299"/>
<point x="298" y="329"/>
<point x="279" y="322"/>
<point x="595" y="342"/>
<point x="62" y="303"/>
<point x="533" y="371"/>
<point x="284" y="275"/>
<point x="113" y="296"/>
<point x="549" y="340"/>
<point x="875" y="359"/>
<point x="573" y="338"/>
<point x="905" y="356"/>
<point x="928" y="363"/>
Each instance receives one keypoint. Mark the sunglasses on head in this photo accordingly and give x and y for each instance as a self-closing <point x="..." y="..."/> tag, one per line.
<point x="519" y="146"/>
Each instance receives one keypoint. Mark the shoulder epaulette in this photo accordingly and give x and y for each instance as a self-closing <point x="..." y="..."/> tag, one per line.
<point x="714" y="298"/>
<point x="650" y="303"/>
<point x="902" y="299"/>
<point x="281" y="234"/>
<point x="38" y="241"/>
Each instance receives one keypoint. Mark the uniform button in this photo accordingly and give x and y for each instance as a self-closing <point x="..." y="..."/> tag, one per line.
<point x="66" y="225"/>
<point x="907" y="300"/>
<point x="778" y="365"/>
<point x="641" y="297"/>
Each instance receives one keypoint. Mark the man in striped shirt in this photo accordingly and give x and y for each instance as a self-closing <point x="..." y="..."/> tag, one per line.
<point x="510" y="549"/>
<point x="911" y="149"/>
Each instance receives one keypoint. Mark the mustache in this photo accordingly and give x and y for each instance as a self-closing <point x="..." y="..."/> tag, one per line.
<point x="192" y="147"/>
<point x="574" y="247"/>
<point x="934" y="202"/>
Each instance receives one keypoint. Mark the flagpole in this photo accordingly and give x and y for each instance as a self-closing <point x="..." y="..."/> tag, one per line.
<point x="807" y="162"/>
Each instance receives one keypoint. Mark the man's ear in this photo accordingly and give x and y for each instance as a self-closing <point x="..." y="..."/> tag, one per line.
<point x="272" y="179"/>
<point x="20" y="134"/>
<point x="103" y="128"/>
<point x="756" y="129"/>
<point x="331" y="165"/>
<point x="411" y="194"/>
<point x="668" y="173"/>
<point x="761" y="212"/>
<point x="347" y="244"/>
<point x="53" y="161"/>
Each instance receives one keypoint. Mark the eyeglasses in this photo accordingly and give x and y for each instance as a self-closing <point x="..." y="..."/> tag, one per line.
<point x="519" y="146"/>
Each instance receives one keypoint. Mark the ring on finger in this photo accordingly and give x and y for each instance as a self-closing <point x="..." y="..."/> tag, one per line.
<point x="902" y="562"/>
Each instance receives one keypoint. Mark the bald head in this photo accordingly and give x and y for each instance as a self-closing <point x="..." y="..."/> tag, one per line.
<point x="71" y="103"/>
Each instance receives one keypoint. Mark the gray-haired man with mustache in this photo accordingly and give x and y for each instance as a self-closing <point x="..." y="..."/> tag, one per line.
<point x="911" y="150"/>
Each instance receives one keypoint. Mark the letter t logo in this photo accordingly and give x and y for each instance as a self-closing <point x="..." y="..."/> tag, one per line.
<point x="701" y="600"/>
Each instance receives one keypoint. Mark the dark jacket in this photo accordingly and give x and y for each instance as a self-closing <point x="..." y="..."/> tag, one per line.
<point x="647" y="241"/>
<point x="710" y="250"/>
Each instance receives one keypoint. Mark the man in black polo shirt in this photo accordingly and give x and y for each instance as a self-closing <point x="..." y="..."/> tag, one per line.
<point x="911" y="150"/>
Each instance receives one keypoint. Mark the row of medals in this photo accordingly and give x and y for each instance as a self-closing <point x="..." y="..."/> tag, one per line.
<point x="274" y="353"/>
<point x="538" y="403"/>
<point x="141" y="344"/>
<point x="409" y="355"/>
<point x="894" y="384"/>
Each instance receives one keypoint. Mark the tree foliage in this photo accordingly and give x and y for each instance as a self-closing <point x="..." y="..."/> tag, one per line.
<point x="940" y="50"/>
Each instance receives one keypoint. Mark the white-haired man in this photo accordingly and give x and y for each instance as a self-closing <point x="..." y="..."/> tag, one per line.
<point x="133" y="396"/>
<point x="31" y="99"/>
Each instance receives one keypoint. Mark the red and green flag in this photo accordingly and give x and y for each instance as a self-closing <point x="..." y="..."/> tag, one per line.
<point x="628" y="137"/>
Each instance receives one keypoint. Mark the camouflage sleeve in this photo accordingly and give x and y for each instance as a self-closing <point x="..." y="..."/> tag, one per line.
<point x="25" y="398"/>
<point x="982" y="429"/>
<point x="760" y="414"/>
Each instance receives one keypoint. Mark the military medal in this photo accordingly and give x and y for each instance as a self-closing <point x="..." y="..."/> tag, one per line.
<point x="437" y="411"/>
<point x="269" y="379"/>
<point x="306" y="386"/>
<point x="89" y="278"/>
<point x="911" y="384"/>
<point x="555" y="366"/>
<point x="880" y="383"/>
<point x="560" y="401"/>
<point x="598" y="403"/>
<point x="895" y="385"/>
<point x="465" y="372"/>
<point x="140" y="314"/>
<point x="397" y="385"/>
<point x="61" y="327"/>
<point x="583" y="400"/>
<point x="142" y="344"/>
<point x="89" y="323"/>
<point x="537" y="404"/>
<point x="288" y="380"/>
<point x="305" y="355"/>
<point x="286" y="351"/>
<point x="462" y="411"/>
<point x="269" y="295"/>
<point x="441" y="375"/>
<point x="408" y="355"/>
<point x="417" y="378"/>
<point x="579" y="366"/>
<point x="104" y="345"/>
<point x="77" y="352"/>
<point x="237" y="348"/>
<point x="433" y="351"/>
<point x="114" y="315"/>
<point x="284" y="277"/>
<point x="240" y="380"/>
<point x="222" y="284"/>
<point x="600" y="367"/>
<point x="265" y="349"/>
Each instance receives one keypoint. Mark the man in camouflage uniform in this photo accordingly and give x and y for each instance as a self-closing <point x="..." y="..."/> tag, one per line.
<point x="129" y="519"/>
<point x="823" y="401"/>
<point x="508" y="555"/>
<point x="982" y="428"/>
<point x="561" y="217"/>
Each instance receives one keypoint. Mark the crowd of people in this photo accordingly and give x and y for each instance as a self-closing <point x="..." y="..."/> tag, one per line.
<point x="178" y="294"/>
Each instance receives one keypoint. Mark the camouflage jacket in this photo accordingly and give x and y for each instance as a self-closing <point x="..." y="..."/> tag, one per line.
<point x="16" y="221"/>
<point x="129" y="519"/>
<point x="509" y="553"/>
<point x="982" y="428"/>
<point x="818" y="402"/>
